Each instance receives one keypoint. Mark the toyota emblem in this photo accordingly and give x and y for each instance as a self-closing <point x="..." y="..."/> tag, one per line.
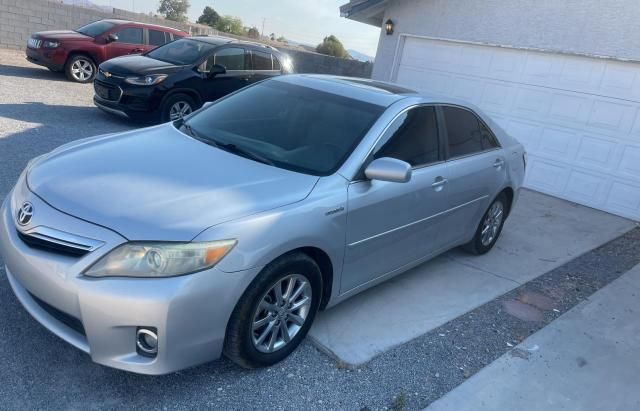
<point x="25" y="213"/>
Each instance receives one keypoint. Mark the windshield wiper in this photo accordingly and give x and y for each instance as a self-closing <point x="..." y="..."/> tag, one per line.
<point x="242" y="152"/>
<point x="230" y="147"/>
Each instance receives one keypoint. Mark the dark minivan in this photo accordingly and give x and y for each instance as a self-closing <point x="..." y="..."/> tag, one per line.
<point x="173" y="80"/>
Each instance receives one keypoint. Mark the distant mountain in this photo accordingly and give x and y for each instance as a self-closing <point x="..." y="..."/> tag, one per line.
<point x="356" y="55"/>
<point x="87" y="4"/>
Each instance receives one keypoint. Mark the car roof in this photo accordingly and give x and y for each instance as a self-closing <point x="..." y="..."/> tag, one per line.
<point x="227" y="40"/>
<point x="370" y="91"/>
<point x="120" y="22"/>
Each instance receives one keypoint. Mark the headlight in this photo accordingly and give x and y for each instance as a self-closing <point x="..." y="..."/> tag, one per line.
<point x="146" y="80"/>
<point x="155" y="260"/>
<point x="50" y="44"/>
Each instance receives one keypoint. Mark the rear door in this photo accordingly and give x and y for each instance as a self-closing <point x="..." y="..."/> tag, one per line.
<point x="130" y="41"/>
<point x="156" y="38"/>
<point x="393" y="224"/>
<point x="235" y="60"/>
<point x="475" y="170"/>
<point x="263" y="66"/>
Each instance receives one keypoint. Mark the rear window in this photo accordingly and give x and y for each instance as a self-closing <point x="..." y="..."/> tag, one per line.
<point x="466" y="134"/>
<point x="261" y="61"/>
<point x="158" y="38"/>
<point x="295" y="127"/>
<point x="96" y="28"/>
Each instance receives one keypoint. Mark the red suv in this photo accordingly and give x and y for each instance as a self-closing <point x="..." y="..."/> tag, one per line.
<point x="79" y="52"/>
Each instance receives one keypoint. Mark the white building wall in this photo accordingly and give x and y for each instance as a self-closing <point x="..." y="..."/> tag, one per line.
<point x="592" y="27"/>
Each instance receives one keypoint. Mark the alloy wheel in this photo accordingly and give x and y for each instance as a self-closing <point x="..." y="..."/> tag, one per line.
<point x="492" y="223"/>
<point x="82" y="70"/>
<point x="281" y="313"/>
<point x="179" y="109"/>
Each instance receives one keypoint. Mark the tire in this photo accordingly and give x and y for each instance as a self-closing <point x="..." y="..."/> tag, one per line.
<point x="482" y="244"/>
<point x="176" y="100"/>
<point x="80" y="69"/>
<point x="242" y="342"/>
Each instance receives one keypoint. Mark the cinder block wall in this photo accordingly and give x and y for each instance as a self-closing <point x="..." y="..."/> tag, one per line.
<point x="20" y="18"/>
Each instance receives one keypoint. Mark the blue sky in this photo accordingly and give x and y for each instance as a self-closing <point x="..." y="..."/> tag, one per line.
<point x="305" y="21"/>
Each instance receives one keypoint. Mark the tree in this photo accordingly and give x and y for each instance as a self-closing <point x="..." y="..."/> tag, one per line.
<point x="209" y="17"/>
<point x="332" y="47"/>
<point x="253" y="33"/>
<point x="175" y="10"/>
<point x="281" y="39"/>
<point x="230" y="24"/>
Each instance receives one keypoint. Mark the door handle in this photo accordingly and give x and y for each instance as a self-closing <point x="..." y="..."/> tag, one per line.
<point x="438" y="183"/>
<point x="137" y="51"/>
<point x="498" y="163"/>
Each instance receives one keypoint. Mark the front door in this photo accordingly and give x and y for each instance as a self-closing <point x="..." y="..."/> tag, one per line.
<point x="238" y="75"/>
<point x="130" y="41"/>
<point x="475" y="167"/>
<point x="393" y="224"/>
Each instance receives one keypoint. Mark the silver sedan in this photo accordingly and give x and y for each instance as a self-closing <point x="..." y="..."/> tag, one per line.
<point x="226" y="231"/>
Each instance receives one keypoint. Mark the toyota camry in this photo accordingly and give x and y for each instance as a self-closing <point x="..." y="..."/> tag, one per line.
<point x="225" y="232"/>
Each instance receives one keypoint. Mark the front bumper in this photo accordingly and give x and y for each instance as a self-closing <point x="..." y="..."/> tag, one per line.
<point x="52" y="58"/>
<point x="190" y="312"/>
<point x="117" y="97"/>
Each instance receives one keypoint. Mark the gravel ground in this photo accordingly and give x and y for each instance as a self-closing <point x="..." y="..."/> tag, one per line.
<point x="39" y="110"/>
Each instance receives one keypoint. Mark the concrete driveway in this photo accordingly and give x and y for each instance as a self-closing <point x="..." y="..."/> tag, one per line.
<point x="542" y="233"/>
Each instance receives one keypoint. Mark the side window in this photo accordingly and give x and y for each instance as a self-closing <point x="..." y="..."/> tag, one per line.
<point x="261" y="61"/>
<point x="231" y="58"/>
<point x="157" y="38"/>
<point x="414" y="138"/>
<point x="466" y="133"/>
<point x="276" y="63"/>
<point x="131" y="35"/>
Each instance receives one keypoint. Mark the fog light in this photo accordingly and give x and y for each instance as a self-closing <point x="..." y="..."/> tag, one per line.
<point x="147" y="341"/>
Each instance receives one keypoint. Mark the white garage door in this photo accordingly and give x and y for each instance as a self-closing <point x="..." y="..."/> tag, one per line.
<point x="578" y="117"/>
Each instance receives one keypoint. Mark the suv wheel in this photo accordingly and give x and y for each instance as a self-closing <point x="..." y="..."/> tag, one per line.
<point x="489" y="228"/>
<point x="177" y="106"/>
<point x="275" y="313"/>
<point x="80" y="69"/>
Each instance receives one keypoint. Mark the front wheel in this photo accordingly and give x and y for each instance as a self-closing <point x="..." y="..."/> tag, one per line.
<point x="489" y="228"/>
<point x="275" y="313"/>
<point x="177" y="106"/>
<point x="80" y="69"/>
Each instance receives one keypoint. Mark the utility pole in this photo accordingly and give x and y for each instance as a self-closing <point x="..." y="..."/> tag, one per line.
<point x="262" y="34"/>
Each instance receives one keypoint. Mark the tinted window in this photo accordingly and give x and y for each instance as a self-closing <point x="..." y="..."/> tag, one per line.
<point x="294" y="127"/>
<point x="158" y="38"/>
<point x="131" y="35"/>
<point x="466" y="133"/>
<point x="276" y="63"/>
<point x="414" y="138"/>
<point x="96" y="28"/>
<point x="231" y="58"/>
<point x="183" y="51"/>
<point x="261" y="61"/>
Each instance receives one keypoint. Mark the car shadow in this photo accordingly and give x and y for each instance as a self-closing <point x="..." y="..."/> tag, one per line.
<point x="35" y="72"/>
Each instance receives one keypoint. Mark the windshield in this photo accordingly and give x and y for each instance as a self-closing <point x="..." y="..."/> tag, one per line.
<point x="289" y="126"/>
<point x="181" y="52"/>
<point x="95" y="29"/>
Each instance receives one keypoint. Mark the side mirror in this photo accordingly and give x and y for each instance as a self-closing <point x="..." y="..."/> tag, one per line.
<point x="389" y="169"/>
<point x="112" y="37"/>
<point x="217" y="69"/>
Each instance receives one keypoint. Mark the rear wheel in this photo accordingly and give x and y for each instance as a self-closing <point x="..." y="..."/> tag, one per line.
<point x="490" y="227"/>
<point x="177" y="106"/>
<point x="275" y="313"/>
<point x="80" y="69"/>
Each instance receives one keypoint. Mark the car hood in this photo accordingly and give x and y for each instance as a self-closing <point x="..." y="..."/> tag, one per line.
<point x="61" y="35"/>
<point x="136" y="64"/>
<point x="159" y="184"/>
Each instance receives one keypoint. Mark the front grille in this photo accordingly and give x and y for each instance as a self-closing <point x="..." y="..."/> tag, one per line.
<point x="66" y="319"/>
<point x="34" y="43"/>
<point x="59" y="242"/>
<point x="37" y="242"/>
<point x="107" y="91"/>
